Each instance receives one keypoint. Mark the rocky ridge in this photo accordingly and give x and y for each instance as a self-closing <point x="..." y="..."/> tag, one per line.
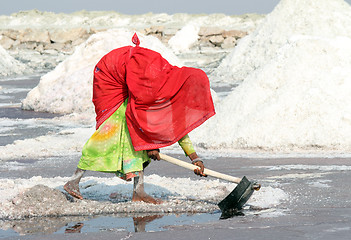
<point x="53" y="42"/>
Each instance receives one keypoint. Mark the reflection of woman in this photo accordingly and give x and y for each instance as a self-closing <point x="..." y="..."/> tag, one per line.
<point x="142" y="103"/>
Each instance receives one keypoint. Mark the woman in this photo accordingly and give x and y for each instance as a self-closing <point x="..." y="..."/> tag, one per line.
<point x="142" y="103"/>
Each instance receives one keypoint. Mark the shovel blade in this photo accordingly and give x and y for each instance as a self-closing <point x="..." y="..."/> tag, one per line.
<point x="238" y="197"/>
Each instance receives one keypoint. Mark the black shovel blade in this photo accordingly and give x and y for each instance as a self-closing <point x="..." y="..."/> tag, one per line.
<point x="238" y="197"/>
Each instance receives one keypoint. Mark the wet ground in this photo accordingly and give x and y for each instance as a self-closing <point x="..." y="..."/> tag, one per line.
<point x="318" y="205"/>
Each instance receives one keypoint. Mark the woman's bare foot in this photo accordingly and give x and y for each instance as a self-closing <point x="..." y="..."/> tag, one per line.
<point x="143" y="197"/>
<point x="139" y="195"/>
<point x="72" y="188"/>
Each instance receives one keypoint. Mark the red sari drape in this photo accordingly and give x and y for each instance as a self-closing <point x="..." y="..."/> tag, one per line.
<point x="165" y="102"/>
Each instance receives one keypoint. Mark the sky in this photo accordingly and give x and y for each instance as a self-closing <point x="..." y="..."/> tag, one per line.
<point x="229" y="7"/>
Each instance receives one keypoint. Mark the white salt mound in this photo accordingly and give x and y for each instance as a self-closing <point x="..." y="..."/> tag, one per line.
<point x="9" y="65"/>
<point x="68" y="88"/>
<point x="185" y="38"/>
<point x="296" y="88"/>
<point x="323" y="18"/>
<point x="289" y="103"/>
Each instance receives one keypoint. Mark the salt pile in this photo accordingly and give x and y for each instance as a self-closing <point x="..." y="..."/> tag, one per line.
<point x="296" y="85"/>
<point x="68" y="88"/>
<point x="185" y="38"/>
<point x="9" y="65"/>
<point x="322" y="18"/>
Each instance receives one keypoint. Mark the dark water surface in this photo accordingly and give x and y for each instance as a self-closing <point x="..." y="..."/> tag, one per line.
<point x="106" y="223"/>
<point x="14" y="127"/>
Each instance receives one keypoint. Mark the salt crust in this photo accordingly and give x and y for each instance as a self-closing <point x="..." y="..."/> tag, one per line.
<point x="39" y="196"/>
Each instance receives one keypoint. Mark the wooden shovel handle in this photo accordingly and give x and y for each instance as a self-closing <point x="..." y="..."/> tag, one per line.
<point x="193" y="167"/>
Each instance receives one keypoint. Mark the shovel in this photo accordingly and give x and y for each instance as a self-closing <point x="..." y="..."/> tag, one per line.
<point x="236" y="199"/>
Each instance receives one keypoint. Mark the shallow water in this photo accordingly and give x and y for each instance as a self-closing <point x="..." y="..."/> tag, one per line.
<point x="104" y="223"/>
<point x="15" y="123"/>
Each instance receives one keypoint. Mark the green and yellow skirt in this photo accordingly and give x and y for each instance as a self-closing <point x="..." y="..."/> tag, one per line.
<point x="110" y="149"/>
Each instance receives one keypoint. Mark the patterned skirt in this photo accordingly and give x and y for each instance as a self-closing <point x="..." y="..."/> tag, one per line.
<point x="110" y="149"/>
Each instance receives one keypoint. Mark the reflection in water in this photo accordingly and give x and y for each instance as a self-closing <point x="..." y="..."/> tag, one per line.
<point x="75" y="229"/>
<point x="87" y="224"/>
<point x="34" y="226"/>
<point x="229" y="213"/>
<point x="67" y="225"/>
<point x="140" y="222"/>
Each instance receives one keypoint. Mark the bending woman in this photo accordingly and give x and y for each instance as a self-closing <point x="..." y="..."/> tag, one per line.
<point x="142" y="104"/>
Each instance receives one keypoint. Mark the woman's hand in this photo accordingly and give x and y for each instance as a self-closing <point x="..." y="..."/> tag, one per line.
<point x="199" y="171"/>
<point x="197" y="162"/>
<point x="154" y="154"/>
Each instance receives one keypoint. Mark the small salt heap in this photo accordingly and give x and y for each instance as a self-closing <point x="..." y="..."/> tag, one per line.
<point x="9" y="65"/>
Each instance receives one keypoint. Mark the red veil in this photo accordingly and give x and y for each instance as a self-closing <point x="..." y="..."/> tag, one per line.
<point x="165" y="102"/>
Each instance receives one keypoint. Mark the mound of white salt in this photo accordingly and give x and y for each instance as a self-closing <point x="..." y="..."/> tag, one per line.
<point x="185" y="38"/>
<point x="322" y="18"/>
<point x="9" y="65"/>
<point x="296" y="88"/>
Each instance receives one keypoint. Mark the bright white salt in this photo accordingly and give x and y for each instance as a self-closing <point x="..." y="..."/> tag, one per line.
<point x="176" y="192"/>
<point x="9" y="65"/>
<point x="322" y="18"/>
<point x="185" y="38"/>
<point x="296" y="89"/>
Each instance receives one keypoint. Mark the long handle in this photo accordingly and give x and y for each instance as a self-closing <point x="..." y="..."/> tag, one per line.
<point x="193" y="167"/>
